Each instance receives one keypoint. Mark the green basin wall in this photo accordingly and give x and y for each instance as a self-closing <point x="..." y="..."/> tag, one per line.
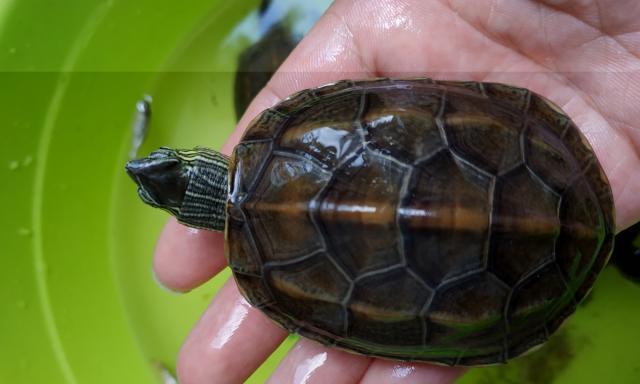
<point x="79" y="302"/>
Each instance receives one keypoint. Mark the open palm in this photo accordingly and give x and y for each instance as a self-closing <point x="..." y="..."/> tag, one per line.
<point x="582" y="54"/>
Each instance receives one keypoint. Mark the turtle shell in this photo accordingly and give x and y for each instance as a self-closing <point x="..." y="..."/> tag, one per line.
<point x="454" y="222"/>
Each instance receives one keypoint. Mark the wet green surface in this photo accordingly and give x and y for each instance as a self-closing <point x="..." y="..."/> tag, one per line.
<point x="595" y="345"/>
<point x="81" y="305"/>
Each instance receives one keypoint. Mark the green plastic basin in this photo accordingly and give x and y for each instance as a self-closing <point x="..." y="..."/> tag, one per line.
<point x="79" y="302"/>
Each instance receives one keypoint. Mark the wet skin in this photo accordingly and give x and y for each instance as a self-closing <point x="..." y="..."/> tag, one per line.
<point x="352" y="41"/>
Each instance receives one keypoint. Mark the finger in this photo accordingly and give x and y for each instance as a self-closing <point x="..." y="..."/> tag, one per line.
<point x="229" y="342"/>
<point x="384" y="371"/>
<point x="186" y="257"/>
<point x="309" y="362"/>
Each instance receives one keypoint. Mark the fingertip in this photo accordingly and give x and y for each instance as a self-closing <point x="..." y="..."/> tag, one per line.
<point x="175" y="290"/>
<point x="185" y="257"/>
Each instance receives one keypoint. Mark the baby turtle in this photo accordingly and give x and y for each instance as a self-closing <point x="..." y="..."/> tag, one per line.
<point x="413" y="219"/>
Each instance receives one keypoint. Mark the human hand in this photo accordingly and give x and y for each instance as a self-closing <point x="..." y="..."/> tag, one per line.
<point x="580" y="54"/>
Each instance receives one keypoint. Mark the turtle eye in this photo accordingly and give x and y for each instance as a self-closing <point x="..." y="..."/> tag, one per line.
<point x="162" y="152"/>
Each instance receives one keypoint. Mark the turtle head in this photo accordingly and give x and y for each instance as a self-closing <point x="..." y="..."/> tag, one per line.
<point x="162" y="179"/>
<point x="189" y="184"/>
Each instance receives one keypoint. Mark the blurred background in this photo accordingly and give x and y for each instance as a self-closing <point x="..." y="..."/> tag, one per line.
<point x="78" y="302"/>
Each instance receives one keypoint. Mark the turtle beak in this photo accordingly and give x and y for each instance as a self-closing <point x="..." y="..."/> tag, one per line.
<point x="162" y="180"/>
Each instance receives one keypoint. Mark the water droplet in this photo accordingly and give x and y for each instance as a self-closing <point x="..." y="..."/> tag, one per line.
<point x="13" y="165"/>
<point x="12" y="50"/>
<point x="306" y="370"/>
<point x="21" y="304"/>
<point x="403" y="370"/>
<point x="22" y="231"/>
<point x="27" y="161"/>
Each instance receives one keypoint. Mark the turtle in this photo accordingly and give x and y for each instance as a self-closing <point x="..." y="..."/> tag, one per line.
<point x="454" y="222"/>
